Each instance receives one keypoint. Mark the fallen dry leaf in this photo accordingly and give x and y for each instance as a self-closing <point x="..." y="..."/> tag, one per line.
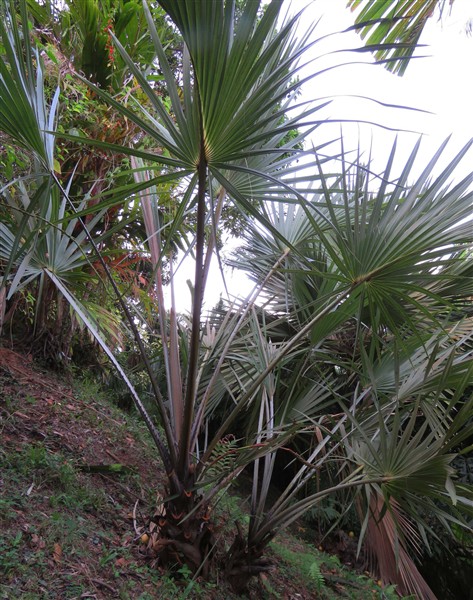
<point x="57" y="554"/>
<point x="120" y="562"/>
<point x="20" y="414"/>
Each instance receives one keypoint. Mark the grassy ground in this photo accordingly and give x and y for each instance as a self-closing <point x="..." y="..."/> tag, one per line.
<point x="78" y="483"/>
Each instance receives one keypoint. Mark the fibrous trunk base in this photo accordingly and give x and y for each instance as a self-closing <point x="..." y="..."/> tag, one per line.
<point x="243" y="562"/>
<point x="181" y="534"/>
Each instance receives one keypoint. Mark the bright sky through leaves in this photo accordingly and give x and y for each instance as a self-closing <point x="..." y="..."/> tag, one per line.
<point x="439" y="83"/>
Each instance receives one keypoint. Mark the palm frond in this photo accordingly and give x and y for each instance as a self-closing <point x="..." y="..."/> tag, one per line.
<point x="392" y="29"/>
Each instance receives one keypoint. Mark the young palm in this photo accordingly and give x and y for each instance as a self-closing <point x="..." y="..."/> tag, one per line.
<point x="223" y="136"/>
<point x="394" y="352"/>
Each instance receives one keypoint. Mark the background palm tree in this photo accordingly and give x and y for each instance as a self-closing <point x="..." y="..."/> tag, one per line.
<point x="378" y="376"/>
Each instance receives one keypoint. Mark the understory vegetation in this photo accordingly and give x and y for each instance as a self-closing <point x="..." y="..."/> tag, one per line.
<point x="78" y="486"/>
<point x="337" y="397"/>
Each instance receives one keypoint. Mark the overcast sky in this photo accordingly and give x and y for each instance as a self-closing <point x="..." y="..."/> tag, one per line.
<point x="440" y="83"/>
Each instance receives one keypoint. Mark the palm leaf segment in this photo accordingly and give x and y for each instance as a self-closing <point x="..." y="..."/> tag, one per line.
<point x="393" y="28"/>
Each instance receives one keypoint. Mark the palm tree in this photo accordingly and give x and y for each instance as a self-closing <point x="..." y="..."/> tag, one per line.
<point x="385" y="376"/>
<point x="224" y="134"/>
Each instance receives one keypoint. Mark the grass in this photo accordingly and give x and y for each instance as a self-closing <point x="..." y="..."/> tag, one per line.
<point x="45" y="521"/>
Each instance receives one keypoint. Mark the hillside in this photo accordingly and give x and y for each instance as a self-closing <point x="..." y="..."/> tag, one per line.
<point x="77" y="490"/>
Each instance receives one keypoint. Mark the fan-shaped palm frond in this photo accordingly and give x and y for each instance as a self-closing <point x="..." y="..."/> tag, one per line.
<point x="395" y="249"/>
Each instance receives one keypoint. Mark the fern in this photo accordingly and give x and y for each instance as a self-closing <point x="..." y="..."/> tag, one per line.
<point x="332" y="561"/>
<point x="316" y="575"/>
<point x="223" y="458"/>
